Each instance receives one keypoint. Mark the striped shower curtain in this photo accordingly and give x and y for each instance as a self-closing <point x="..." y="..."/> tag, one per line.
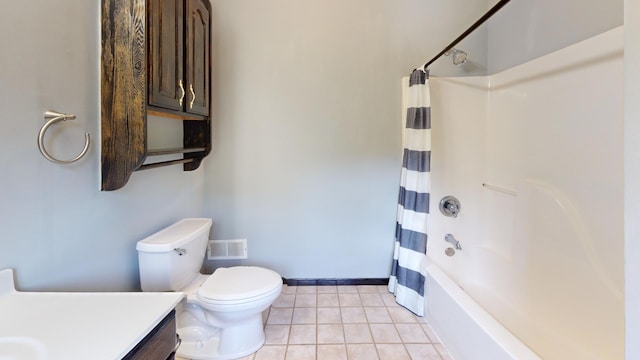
<point x="408" y="269"/>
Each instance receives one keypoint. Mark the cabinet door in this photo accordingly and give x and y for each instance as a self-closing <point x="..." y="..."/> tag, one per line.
<point x="159" y="343"/>
<point x="198" y="56"/>
<point x="167" y="87"/>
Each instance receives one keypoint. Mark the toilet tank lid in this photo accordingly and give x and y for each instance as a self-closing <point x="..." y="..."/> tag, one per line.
<point x="175" y="235"/>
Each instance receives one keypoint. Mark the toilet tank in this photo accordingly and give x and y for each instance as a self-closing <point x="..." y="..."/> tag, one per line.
<point x="171" y="258"/>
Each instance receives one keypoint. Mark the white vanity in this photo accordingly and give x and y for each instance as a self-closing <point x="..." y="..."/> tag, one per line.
<point x="63" y="325"/>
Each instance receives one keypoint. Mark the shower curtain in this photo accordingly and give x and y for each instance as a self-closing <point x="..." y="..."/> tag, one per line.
<point x="409" y="269"/>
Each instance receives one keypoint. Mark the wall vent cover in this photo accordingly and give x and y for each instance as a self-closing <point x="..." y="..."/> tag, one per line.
<point x="227" y="249"/>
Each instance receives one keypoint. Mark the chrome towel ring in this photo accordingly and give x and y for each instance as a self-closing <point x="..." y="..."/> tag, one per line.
<point x="54" y="117"/>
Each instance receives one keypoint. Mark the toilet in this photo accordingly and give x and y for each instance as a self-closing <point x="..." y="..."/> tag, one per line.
<point x="222" y="315"/>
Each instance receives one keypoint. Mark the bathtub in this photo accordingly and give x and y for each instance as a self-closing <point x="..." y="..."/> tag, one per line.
<point x="464" y="327"/>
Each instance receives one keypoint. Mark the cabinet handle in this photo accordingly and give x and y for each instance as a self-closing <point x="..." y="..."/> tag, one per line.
<point x="193" y="96"/>
<point x="178" y="342"/>
<point x="183" y="92"/>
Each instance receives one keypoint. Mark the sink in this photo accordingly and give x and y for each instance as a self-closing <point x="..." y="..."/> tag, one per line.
<point x="21" y="348"/>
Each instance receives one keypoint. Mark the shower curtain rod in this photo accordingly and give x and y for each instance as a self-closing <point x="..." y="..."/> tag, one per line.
<point x="475" y="25"/>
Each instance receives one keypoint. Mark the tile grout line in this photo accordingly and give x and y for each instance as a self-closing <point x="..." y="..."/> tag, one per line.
<point x="366" y="316"/>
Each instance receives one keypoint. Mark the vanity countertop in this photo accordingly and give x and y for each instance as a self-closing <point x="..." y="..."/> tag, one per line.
<point x="64" y="325"/>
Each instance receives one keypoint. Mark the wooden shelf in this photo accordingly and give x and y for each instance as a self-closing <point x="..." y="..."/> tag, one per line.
<point x="172" y="114"/>
<point x="164" y="163"/>
<point x="158" y="152"/>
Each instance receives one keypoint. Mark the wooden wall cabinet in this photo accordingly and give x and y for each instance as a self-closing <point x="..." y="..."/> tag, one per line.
<point x="155" y="60"/>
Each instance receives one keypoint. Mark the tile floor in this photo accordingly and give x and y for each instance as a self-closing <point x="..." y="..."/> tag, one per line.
<point x="345" y="322"/>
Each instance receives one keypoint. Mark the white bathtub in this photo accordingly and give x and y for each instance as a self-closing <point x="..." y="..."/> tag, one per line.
<point x="464" y="327"/>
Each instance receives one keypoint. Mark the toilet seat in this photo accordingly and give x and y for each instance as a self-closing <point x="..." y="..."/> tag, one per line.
<point x="239" y="284"/>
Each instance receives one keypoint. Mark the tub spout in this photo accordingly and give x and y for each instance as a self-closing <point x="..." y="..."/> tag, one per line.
<point x="450" y="239"/>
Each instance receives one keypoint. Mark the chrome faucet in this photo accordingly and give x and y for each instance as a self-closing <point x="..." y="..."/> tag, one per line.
<point x="450" y="239"/>
<point x="450" y="206"/>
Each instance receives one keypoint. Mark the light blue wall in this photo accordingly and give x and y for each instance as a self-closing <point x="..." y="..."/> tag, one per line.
<point x="306" y="131"/>
<point x="307" y="126"/>
<point x="525" y="30"/>
<point x="58" y="231"/>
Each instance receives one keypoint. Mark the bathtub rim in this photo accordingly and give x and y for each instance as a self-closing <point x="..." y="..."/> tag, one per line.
<point x="492" y="328"/>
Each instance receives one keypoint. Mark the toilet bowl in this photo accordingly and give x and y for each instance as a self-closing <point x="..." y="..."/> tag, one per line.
<point x="221" y="317"/>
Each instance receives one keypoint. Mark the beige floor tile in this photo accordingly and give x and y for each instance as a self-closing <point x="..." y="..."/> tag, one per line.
<point x="326" y="300"/>
<point x="392" y="352"/>
<point x="345" y="322"/>
<point x="422" y="352"/>
<point x="412" y="333"/>
<point x="289" y="289"/>
<point x="367" y="289"/>
<point x="332" y="352"/>
<point x="349" y="300"/>
<point x="421" y="319"/>
<point x="301" y="352"/>
<point x="384" y="334"/>
<point x="307" y="289"/>
<point x="351" y="315"/>
<point x="304" y="315"/>
<point x="389" y="300"/>
<point x="362" y="352"/>
<point x="280" y="316"/>
<point x="306" y="300"/>
<point x="347" y="289"/>
<point x="432" y="335"/>
<point x="302" y="334"/>
<point x="383" y="289"/>
<point x="271" y="352"/>
<point x="276" y="334"/>
<point x="329" y="315"/>
<point x="377" y="314"/>
<point x="265" y="315"/>
<point x="327" y="289"/>
<point x="371" y="299"/>
<point x="401" y="315"/>
<point x="284" y="301"/>
<point x="330" y="334"/>
<point x="357" y="334"/>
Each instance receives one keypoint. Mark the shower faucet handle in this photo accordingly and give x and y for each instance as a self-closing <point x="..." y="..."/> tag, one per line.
<point x="453" y="208"/>
<point x="450" y="206"/>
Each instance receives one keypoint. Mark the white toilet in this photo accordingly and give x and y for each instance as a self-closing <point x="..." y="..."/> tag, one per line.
<point x="222" y="316"/>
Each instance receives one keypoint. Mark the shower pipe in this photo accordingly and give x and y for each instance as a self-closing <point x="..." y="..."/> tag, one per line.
<point x="475" y="25"/>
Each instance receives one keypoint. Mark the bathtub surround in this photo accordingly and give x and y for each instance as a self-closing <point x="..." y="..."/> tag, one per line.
<point x="408" y="268"/>
<point x="545" y="257"/>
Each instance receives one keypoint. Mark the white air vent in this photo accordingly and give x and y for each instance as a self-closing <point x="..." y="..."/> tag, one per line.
<point x="227" y="249"/>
